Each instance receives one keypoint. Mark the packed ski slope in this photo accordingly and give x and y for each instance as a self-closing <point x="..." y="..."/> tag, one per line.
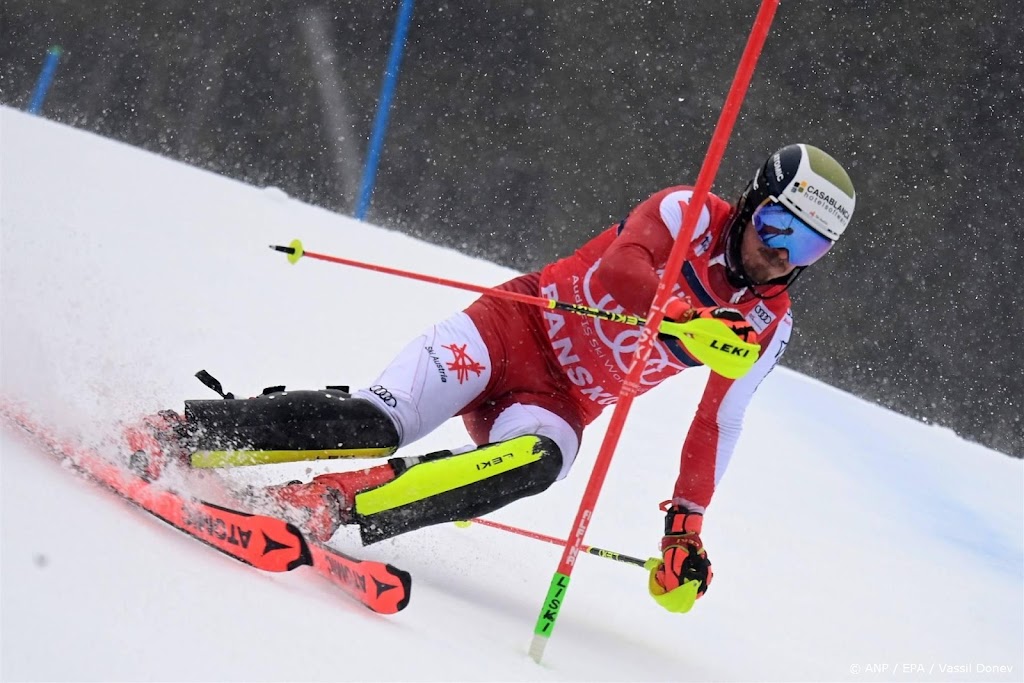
<point x="847" y="541"/>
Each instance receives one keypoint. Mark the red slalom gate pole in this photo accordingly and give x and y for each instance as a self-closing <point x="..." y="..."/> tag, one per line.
<point x="559" y="586"/>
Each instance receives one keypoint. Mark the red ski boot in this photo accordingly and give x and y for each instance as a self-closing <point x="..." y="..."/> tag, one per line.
<point x="321" y="506"/>
<point x="156" y="441"/>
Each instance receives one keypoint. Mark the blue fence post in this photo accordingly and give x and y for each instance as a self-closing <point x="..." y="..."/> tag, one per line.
<point x="35" y="105"/>
<point x="380" y="121"/>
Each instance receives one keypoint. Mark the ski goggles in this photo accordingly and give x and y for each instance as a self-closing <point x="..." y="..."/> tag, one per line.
<point x="779" y="228"/>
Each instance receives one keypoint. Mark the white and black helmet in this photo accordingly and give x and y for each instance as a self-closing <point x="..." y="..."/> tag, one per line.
<point x="810" y="184"/>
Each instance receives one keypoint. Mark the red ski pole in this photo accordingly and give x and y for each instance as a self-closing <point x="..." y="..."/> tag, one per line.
<point x="296" y="251"/>
<point x="707" y="340"/>
<point x="555" y="598"/>
<point x="589" y="549"/>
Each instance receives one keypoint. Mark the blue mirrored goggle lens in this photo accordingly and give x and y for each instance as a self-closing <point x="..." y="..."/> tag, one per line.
<point x="780" y="229"/>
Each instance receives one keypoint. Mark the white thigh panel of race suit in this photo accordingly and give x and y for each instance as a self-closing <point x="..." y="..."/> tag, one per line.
<point x="434" y="377"/>
<point x="441" y="372"/>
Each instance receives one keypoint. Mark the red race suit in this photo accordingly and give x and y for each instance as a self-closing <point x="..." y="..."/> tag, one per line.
<point x="575" y="365"/>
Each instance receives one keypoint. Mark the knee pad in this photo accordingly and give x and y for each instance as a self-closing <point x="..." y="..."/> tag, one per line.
<point x="443" y="487"/>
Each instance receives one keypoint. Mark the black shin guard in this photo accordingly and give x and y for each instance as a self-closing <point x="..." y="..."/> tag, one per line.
<point x="442" y="487"/>
<point x="289" y="420"/>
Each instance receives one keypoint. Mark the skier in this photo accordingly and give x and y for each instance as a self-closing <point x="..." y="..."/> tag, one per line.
<point x="527" y="381"/>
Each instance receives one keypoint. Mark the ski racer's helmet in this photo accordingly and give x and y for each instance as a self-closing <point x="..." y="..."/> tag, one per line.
<point x="800" y="199"/>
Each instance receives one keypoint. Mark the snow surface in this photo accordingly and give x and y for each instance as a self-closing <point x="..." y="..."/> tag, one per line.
<point x="848" y="542"/>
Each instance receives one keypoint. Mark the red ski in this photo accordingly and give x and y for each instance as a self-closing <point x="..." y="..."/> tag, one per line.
<point x="264" y="542"/>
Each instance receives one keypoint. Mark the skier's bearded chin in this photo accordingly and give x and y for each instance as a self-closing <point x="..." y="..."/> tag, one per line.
<point x="762" y="263"/>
